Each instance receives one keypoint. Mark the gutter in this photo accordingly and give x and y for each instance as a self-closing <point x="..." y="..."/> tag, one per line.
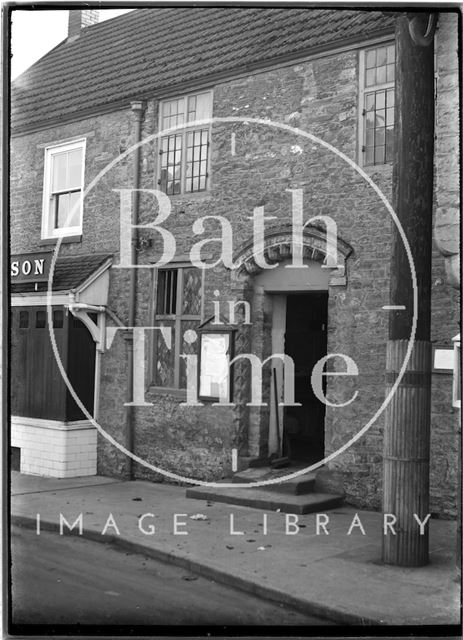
<point x="206" y="81"/>
<point x="138" y="110"/>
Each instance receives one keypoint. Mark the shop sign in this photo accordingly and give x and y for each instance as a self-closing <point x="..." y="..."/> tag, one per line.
<point x="30" y="267"/>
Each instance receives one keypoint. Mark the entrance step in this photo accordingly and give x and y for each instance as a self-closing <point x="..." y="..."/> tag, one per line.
<point x="262" y="498"/>
<point x="300" y="485"/>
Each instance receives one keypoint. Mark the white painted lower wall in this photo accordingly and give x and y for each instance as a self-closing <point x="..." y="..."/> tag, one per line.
<point x="53" y="448"/>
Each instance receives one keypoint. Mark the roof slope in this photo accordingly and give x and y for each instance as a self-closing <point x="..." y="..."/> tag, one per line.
<point x="70" y="272"/>
<point x="153" y="49"/>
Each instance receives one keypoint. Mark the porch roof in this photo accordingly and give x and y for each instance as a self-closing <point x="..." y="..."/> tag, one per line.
<point x="70" y="273"/>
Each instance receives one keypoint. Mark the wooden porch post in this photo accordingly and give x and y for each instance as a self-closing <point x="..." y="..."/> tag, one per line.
<point x="407" y="420"/>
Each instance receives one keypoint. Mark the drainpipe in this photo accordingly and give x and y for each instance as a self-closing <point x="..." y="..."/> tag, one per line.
<point x="137" y="109"/>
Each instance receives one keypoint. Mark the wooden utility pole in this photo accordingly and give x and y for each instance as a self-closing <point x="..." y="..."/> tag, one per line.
<point x="407" y="417"/>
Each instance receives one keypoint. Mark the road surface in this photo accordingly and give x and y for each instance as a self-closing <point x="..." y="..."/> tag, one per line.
<point x="71" y="580"/>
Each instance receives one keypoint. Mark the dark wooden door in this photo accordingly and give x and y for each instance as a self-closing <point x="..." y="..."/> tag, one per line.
<point x="81" y="369"/>
<point x="37" y="387"/>
<point x="306" y="343"/>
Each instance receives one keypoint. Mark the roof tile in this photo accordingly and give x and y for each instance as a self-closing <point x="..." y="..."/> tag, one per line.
<point x="70" y="272"/>
<point x="154" y="49"/>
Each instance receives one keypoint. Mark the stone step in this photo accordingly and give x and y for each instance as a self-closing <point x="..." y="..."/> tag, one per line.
<point x="297" y="486"/>
<point x="260" y="498"/>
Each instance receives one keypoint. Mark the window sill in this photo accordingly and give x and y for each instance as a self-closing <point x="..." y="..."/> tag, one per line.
<point x="198" y="195"/>
<point x="64" y="240"/>
<point x="377" y="168"/>
<point x="167" y="391"/>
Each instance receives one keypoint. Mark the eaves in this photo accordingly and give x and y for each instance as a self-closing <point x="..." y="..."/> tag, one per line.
<point x="348" y="44"/>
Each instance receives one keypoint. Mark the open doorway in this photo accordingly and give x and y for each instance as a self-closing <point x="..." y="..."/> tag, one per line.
<point x="306" y="343"/>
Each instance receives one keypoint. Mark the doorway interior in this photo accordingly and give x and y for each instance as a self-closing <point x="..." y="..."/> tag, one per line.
<point x="306" y="342"/>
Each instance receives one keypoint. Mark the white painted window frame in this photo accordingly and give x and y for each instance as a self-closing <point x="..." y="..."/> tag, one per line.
<point x="48" y="232"/>
<point x="361" y="102"/>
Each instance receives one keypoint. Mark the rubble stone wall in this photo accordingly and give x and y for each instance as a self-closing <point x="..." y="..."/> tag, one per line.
<point x="318" y="96"/>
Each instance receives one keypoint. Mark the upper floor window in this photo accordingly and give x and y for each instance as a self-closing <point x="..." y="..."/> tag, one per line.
<point x="184" y="153"/>
<point x="63" y="188"/>
<point x="377" y="68"/>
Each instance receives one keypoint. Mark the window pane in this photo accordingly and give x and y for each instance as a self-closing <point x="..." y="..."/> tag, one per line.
<point x="67" y="212"/>
<point x="171" y="159"/>
<point x="62" y="210"/>
<point x="379" y="137"/>
<point x="23" y="319"/>
<point x="172" y="113"/>
<point x="164" y="357"/>
<point x="380" y="99"/>
<point x="370" y="119"/>
<point x="370" y="138"/>
<point x="166" y="302"/>
<point x="203" y="106"/>
<point x="369" y="155"/>
<point x="166" y="108"/>
<point x="380" y="115"/>
<point x="180" y="106"/>
<point x="176" y="113"/>
<point x="192" y="108"/>
<point x="370" y="77"/>
<point x="40" y="319"/>
<point x="379" y="65"/>
<point x="369" y="101"/>
<point x="380" y="75"/>
<point x="191" y="291"/>
<point x="390" y="73"/>
<point x="379" y="155"/>
<point x="58" y="319"/>
<point x="59" y="179"/>
<point x="196" y="160"/>
<point x="390" y="98"/>
<point x="74" y="208"/>
<point x="389" y="144"/>
<point x="380" y="56"/>
<point x="391" y="53"/>
<point x="75" y="169"/>
<point x="370" y="58"/>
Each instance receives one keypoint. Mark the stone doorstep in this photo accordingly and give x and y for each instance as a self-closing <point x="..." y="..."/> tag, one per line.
<point x="259" y="498"/>
<point x="296" y="495"/>
<point x="300" y="485"/>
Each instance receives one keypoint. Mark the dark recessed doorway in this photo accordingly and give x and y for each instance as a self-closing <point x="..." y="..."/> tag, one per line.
<point x="306" y="343"/>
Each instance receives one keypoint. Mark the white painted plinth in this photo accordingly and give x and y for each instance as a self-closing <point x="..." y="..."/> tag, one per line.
<point x="53" y="448"/>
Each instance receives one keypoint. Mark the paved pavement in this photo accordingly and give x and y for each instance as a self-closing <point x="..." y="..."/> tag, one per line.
<point x="338" y="576"/>
<point x="71" y="580"/>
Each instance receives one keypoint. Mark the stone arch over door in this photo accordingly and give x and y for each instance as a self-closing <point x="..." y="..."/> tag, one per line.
<point x="277" y="248"/>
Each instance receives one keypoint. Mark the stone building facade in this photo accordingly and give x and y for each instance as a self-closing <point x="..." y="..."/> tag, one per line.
<point x="279" y="132"/>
